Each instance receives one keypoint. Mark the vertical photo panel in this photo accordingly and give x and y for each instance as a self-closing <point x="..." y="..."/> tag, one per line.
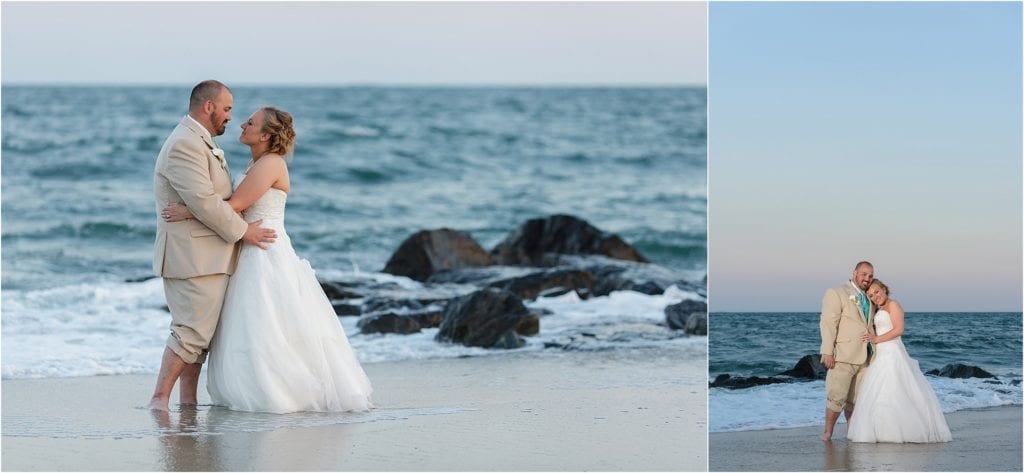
<point x="865" y="236"/>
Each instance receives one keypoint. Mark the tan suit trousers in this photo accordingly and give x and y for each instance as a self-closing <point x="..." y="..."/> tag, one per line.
<point x="841" y="384"/>
<point x="195" y="305"/>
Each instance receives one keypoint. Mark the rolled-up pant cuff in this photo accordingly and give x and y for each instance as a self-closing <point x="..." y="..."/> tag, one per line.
<point x="835" y="406"/>
<point x="179" y="349"/>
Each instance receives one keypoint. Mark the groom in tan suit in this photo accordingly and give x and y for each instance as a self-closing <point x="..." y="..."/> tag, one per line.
<point x="196" y="256"/>
<point x="846" y="315"/>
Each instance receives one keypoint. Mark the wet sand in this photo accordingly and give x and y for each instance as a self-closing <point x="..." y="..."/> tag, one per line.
<point x="637" y="410"/>
<point x="983" y="440"/>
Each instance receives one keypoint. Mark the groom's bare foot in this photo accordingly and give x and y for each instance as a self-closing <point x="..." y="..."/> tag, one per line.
<point x="188" y="384"/>
<point x="830" y="424"/>
<point x="158" y="404"/>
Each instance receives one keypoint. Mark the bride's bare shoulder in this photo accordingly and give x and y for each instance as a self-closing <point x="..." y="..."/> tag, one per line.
<point x="271" y="163"/>
<point x="272" y="159"/>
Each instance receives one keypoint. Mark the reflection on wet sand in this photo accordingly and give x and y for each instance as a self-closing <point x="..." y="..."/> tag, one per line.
<point x="207" y="439"/>
<point x="182" y="449"/>
<point x="895" y="456"/>
<point x="843" y="455"/>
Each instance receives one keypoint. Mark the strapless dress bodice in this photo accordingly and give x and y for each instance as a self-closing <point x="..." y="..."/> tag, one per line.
<point x="883" y="322"/>
<point x="269" y="207"/>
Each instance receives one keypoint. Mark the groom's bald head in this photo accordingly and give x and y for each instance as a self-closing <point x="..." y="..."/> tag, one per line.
<point x="207" y="90"/>
<point x="863" y="274"/>
<point x="210" y="104"/>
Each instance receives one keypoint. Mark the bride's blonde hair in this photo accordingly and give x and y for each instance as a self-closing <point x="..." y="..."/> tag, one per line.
<point x="278" y="124"/>
<point x="879" y="283"/>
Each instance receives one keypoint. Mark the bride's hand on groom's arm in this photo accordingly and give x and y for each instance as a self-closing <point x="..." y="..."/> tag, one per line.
<point x="175" y="212"/>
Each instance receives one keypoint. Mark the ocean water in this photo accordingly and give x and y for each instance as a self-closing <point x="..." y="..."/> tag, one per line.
<point x="765" y="344"/>
<point x="372" y="166"/>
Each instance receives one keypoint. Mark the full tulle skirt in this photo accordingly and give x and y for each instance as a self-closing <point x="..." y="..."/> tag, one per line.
<point x="279" y="346"/>
<point x="895" y="403"/>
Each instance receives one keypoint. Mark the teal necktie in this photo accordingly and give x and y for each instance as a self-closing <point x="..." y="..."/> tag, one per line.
<point x="864" y="310"/>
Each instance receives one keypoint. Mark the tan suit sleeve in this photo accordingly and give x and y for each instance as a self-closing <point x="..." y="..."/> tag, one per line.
<point x="188" y="172"/>
<point x="831" y="311"/>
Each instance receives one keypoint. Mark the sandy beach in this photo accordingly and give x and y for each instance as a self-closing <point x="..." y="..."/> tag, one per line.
<point x="615" y="410"/>
<point x="983" y="440"/>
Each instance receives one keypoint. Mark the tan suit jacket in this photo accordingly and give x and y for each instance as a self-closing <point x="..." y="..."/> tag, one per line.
<point x="187" y="171"/>
<point x="843" y="325"/>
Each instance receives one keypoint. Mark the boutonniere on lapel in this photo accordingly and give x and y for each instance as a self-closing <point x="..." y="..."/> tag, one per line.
<point x="219" y="154"/>
<point x="854" y="300"/>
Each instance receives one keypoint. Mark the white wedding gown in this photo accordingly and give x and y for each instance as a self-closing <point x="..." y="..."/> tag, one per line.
<point x="279" y="346"/>
<point x="895" y="403"/>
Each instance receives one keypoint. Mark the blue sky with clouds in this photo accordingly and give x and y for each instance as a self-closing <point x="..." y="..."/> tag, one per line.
<point x="882" y="131"/>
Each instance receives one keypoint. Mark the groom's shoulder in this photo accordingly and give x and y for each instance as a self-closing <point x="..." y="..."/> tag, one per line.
<point x="181" y="130"/>
<point x="182" y="136"/>
<point x="840" y="289"/>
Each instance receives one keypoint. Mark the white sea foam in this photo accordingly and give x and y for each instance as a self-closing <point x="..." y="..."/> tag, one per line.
<point x="121" y="328"/>
<point x="779" y="406"/>
<point x="82" y="330"/>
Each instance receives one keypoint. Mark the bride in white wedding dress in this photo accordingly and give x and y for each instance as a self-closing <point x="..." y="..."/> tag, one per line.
<point x="895" y="403"/>
<point x="278" y="346"/>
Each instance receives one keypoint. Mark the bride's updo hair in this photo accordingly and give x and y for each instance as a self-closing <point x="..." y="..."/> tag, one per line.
<point x="879" y="283"/>
<point x="278" y="124"/>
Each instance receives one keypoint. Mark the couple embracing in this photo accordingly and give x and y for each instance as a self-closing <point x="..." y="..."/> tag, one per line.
<point x="861" y="329"/>
<point x="239" y="296"/>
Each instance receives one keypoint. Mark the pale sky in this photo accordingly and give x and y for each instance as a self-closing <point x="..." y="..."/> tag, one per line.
<point x="345" y="43"/>
<point x="885" y="132"/>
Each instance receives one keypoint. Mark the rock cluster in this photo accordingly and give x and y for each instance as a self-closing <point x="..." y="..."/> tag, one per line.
<point x="475" y="297"/>
<point x="810" y="368"/>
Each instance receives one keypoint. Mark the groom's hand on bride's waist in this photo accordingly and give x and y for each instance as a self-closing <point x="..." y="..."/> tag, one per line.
<point x="257" y="236"/>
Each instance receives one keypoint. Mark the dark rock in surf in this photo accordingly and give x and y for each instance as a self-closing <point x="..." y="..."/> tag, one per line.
<point x="809" y="367"/>
<point x="616" y="275"/>
<point x="391" y="322"/>
<point x="486" y="318"/>
<point x="385" y="304"/>
<point x="528" y="326"/>
<point x="429" y="251"/>
<point x="697" y="324"/>
<point x="343" y="309"/>
<point x="678" y="316"/>
<point x="527" y="283"/>
<point x="958" y="370"/>
<point x="729" y="382"/>
<point x="337" y="290"/>
<point x="561" y="234"/>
